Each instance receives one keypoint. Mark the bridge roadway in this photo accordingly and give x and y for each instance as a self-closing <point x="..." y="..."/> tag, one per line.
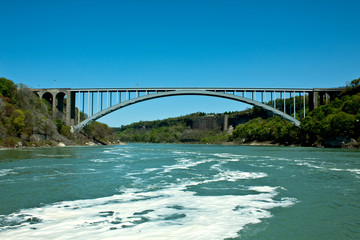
<point x="84" y="105"/>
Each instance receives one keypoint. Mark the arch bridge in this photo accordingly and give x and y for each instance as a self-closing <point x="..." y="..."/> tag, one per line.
<point x="80" y="107"/>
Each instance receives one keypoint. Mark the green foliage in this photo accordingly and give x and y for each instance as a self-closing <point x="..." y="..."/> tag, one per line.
<point x="66" y="131"/>
<point x="339" y="118"/>
<point x="7" y="87"/>
<point x="100" y="132"/>
<point x="352" y="88"/>
<point x="25" y="118"/>
<point x="18" y="121"/>
<point x="47" y="104"/>
<point x="11" y="141"/>
<point x="275" y="130"/>
<point x="342" y="124"/>
<point x="352" y="106"/>
<point x="59" y="124"/>
<point x="216" y="138"/>
<point x="172" y="130"/>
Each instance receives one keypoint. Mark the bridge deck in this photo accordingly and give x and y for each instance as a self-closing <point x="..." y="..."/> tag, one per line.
<point x="198" y="88"/>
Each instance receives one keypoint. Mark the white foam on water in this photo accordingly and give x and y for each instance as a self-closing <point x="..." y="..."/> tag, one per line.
<point x="185" y="153"/>
<point x="148" y="170"/>
<point x="265" y="189"/>
<point x="308" y="164"/>
<point x="4" y="172"/>
<point x="229" y="155"/>
<point x="170" y="213"/>
<point x="119" y="152"/>
<point x="185" y="163"/>
<point x="120" y="166"/>
<point x="356" y="171"/>
<point x="311" y="165"/>
<point x="105" y="160"/>
<point x="233" y="176"/>
<point x="90" y="169"/>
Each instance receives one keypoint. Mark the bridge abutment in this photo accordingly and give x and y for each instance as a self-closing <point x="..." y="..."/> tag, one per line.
<point x="58" y="101"/>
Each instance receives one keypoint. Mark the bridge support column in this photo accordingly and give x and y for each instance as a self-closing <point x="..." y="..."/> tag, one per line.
<point x="316" y="99"/>
<point x="226" y="123"/>
<point x="70" y="108"/>
<point x="327" y="98"/>
<point x="54" y="109"/>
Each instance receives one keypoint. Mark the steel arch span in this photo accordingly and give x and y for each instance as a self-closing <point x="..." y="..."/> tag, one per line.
<point x="118" y="106"/>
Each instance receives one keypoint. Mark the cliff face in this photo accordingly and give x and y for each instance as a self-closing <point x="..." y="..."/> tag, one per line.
<point x="208" y="122"/>
<point x="227" y="120"/>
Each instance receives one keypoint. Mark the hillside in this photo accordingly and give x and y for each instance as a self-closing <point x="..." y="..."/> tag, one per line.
<point x="27" y="121"/>
<point x="336" y="124"/>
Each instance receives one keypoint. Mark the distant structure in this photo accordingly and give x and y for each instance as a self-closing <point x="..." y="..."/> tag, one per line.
<point x="79" y="107"/>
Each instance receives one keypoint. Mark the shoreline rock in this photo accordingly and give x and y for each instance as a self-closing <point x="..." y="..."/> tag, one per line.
<point x="340" y="142"/>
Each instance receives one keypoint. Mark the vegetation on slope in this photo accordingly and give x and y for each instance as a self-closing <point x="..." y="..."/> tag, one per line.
<point x="274" y="130"/>
<point x="339" y="121"/>
<point x="25" y="120"/>
<point x="340" y="118"/>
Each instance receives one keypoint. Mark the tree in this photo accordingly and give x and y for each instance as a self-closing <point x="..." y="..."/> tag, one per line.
<point x="343" y="124"/>
<point x="18" y="120"/>
<point x="352" y="88"/>
<point x="355" y="83"/>
<point x="7" y="87"/>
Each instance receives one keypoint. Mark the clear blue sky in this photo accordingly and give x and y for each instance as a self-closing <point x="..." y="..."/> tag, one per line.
<point x="179" y="44"/>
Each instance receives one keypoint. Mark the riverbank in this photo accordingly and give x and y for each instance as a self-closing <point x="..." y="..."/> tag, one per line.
<point x="335" y="144"/>
<point x="68" y="143"/>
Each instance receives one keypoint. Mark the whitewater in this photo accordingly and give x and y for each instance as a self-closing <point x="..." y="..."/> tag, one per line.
<point x="169" y="191"/>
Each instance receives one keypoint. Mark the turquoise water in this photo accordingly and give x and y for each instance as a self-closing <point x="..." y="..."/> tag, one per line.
<point x="168" y="191"/>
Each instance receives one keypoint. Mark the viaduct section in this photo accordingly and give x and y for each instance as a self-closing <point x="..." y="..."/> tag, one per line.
<point x="79" y="107"/>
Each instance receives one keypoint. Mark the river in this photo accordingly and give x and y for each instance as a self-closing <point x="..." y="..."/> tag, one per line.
<point x="175" y="191"/>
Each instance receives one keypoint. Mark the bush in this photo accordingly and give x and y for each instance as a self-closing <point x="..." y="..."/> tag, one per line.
<point x="11" y="141"/>
<point x="18" y="121"/>
<point x="100" y="132"/>
<point x="58" y="124"/>
<point x="351" y="106"/>
<point x="66" y="131"/>
<point x="275" y="129"/>
<point x="343" y="124"/>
